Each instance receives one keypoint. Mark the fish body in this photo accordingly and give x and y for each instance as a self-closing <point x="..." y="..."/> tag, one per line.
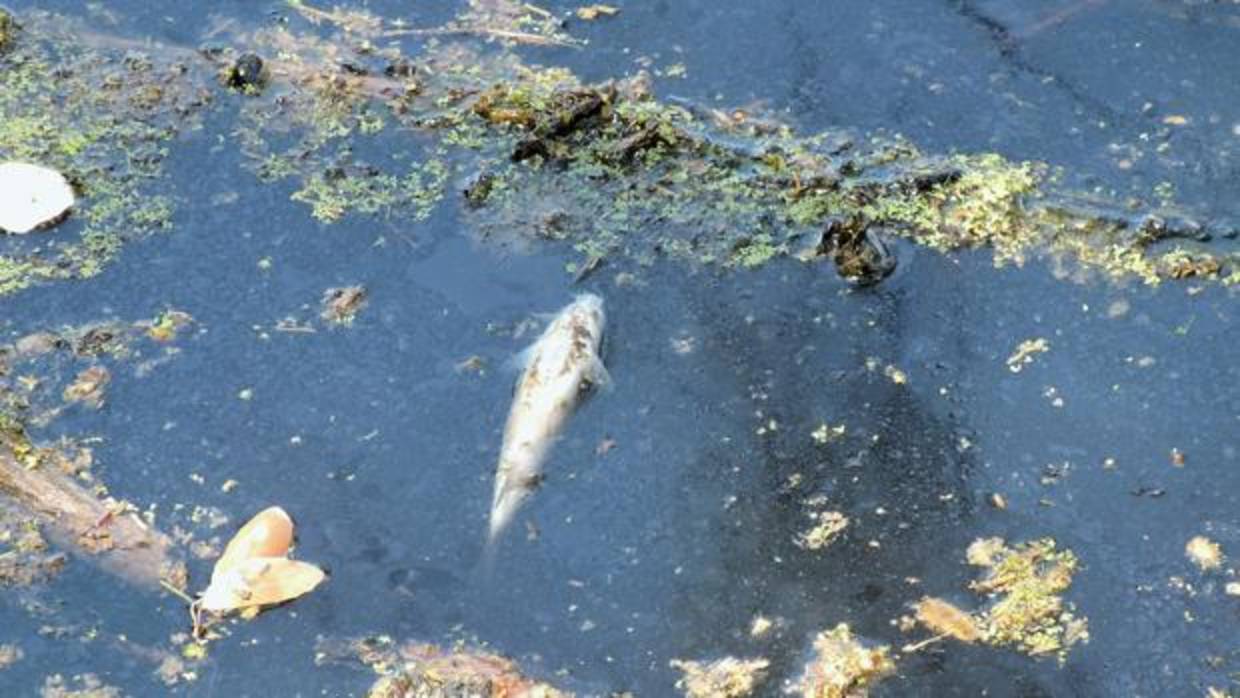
<point x="560" y="370"/>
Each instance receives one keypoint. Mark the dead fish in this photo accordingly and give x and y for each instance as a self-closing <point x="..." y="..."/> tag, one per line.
<point x="560" y="370"/>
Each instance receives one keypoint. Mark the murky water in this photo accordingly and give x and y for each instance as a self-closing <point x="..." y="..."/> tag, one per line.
<point x="670" y="542"/>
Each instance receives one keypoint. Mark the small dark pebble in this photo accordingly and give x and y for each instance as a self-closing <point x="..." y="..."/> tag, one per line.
<point x="246" y="72"/>
<point x="400" y="68"/>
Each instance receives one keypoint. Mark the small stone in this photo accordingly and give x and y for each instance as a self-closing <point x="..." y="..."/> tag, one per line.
<point x="32" y="197"/>
<point x="246" y="73"/>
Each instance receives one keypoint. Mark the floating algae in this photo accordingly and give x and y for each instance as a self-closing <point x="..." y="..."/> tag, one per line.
<point x="1026" y="582"/>
<point x="103" y="118"/>
<point x="51" y="486"/>
<point x="723" y="678"/>
<point x="607" y="168"/>
<point x="417" y="670"/>
<point x="611" y="170"/>
<point x="842" y="667"/>
<point x="80" y="686"/>
<point x="24" y="555"/>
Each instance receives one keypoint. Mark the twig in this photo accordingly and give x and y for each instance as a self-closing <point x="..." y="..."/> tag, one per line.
<point x="493" y="32"/>
<point x="535" y="9"/>
<point x="909" y="649"/>
<point x="176" y="592"/>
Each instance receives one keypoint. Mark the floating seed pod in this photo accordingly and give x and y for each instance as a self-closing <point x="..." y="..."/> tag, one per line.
<point x="268" y="534"/>
<point x="260" y="581"/>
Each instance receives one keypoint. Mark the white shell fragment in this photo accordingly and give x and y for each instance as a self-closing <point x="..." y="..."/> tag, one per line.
<point x="31" y="196"/>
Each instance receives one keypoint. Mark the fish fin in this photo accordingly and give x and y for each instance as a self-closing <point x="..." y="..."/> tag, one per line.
<point x="517" y="362"/>
<point x="484" y="570"/>
<point x="596" y="376"/>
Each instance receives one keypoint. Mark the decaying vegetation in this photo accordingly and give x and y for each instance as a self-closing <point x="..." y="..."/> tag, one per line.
<point x="609" y="169"/>
<point x="415" y="670"/>
<point x="102" y="116"/>
<point x="1025" y="584"/>
<point x="722" y="678"/>
<point x="49" y="488"/>
<point x="843" y="667"/>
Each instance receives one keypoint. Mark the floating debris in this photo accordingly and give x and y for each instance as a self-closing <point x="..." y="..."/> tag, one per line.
<point x="1204" y="553"/>
<point x="165" y="327"/>
<point x="985" y="552"/>
<point x="260" y="581"/>
<point x="32" y="197"/>
<point x="268" y="534"/>
<point x="828" y="525"/>
<point x="592" y="12"/>
<point x="341" y="305"/>
<point x="24" y="557"/>
<point x="471" y="364"/>
<point x="418" y="670"/>
<point x="1025" y="351"/>
<point x="88" y="387"/>
<point x="100" y="116"/>
<point x="1026" y="583"/>
<point x="723" y="678"/>
<point x="80" y="686"/>
<point x="253" y="571"/>
<point x="10" y="654"/>
<point x="761" y="627"/>
<point x="945" y="618"/>
<point x="842" y="667"/>
<point x="896" y="375"/>
<point x="825" y="433"/>
<point x="43" y="484"/>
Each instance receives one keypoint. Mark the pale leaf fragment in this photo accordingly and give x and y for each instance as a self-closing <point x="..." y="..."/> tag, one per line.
<point x="261" y="581"/>
<point x="31" y="197"/>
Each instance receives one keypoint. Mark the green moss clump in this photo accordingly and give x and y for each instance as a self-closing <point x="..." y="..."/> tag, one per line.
<point x="1027" y="582"/>
<point x="102" y="118"/>
<point x="333" y="195"/>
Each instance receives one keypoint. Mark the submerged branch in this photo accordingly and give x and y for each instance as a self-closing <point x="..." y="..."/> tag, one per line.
<point x="124" y="544"/>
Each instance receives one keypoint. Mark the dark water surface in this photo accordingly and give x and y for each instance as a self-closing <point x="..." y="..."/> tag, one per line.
<point x="670" y="543"/>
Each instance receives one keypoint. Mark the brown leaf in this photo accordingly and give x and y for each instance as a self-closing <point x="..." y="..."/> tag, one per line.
<point x="946" y="619"/>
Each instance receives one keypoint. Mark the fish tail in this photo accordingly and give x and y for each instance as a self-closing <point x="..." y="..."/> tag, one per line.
<point x="484" y="571"/>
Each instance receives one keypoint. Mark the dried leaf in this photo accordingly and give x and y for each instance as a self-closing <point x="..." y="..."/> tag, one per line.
<point x="593" y="12"/>
<point x="261" y="581"/>
<point x="268" y="534"/>
<point x="946" y="619"/>
<point x="88" y="387"/>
